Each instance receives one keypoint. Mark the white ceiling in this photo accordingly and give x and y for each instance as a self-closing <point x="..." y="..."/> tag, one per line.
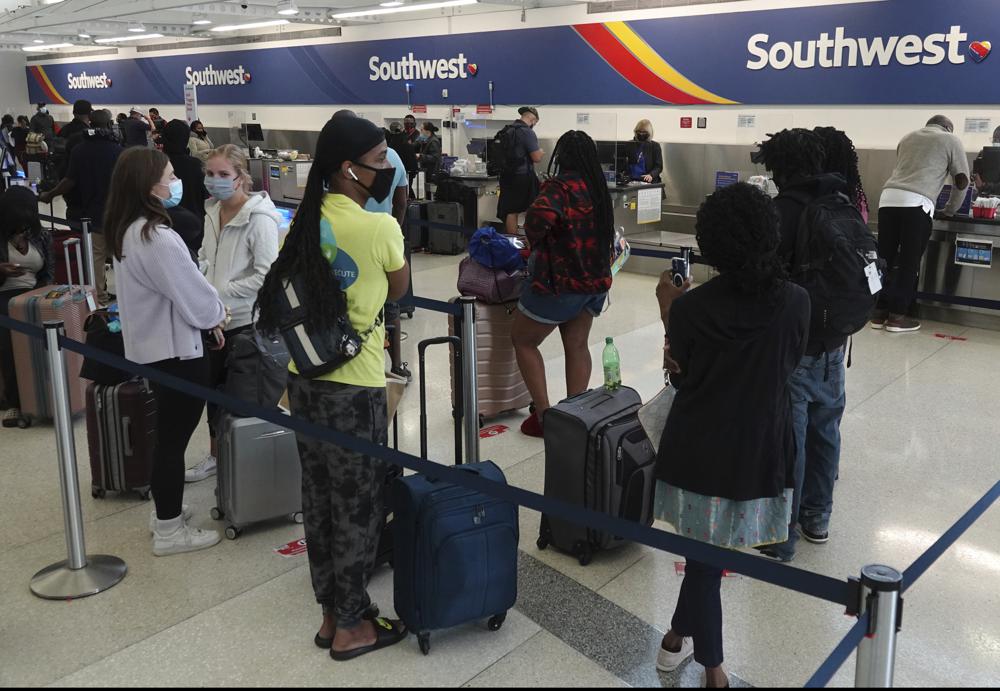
<point x="28" y="22"/>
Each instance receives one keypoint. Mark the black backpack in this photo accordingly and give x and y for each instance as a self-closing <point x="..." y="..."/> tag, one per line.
<point x="833" y="247"/>
<point x="504" y="158"/>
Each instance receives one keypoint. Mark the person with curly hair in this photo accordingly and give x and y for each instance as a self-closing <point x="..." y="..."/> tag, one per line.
<point x="797" y="159"/>
<point x="732" y="345"/>
<point x="842" y="159"/>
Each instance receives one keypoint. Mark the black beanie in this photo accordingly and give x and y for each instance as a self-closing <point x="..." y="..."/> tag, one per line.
<point x="176" y="134"/>
<point x="346" y="138"/>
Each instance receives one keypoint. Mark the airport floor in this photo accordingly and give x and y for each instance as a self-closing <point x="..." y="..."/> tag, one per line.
<point x="920" y="443"/>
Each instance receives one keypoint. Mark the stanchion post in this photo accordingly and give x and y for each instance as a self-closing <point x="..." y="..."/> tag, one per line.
<point x="88" y="254"/>
<point x="881" y="588"/>
<point x="80" y="575"/>
<point x="470" y="379"/>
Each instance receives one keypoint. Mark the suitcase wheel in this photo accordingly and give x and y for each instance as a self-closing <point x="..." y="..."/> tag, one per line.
<point x="232" y="532"/>
<point x="145" y="494"/>
<point x="542" y="543"/>
<point x="482" y="421"/>
<point x="407" y="312"/>
<point x="297" y="517"/>
<point x="496" y="623"/>
<point x="585" y="559"/>
<point x="424" y="639"/>
<point x="216" y="513"/>
<point x="98" y="493"/>
<point x="583" y="553"/>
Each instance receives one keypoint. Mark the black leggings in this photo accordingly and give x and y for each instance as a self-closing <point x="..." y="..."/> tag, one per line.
<point x="8" y="374"/>
<point x="699" y="612"/>
<point x="178" y="416"/>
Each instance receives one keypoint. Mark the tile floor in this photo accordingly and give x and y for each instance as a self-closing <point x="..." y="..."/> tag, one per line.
<point x="920" y="441"/>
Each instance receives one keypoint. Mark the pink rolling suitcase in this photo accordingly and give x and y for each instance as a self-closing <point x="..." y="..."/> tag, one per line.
<point x="69" y="303"/>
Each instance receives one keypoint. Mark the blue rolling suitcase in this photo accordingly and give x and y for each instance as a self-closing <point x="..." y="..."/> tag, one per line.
<point x="455" y="555"/>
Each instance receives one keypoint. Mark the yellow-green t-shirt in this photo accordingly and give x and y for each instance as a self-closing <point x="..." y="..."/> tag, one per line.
<point x="368" y="245"/>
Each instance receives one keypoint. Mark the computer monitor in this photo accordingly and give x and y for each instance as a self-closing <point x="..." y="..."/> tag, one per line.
<point x="476" y="147"/>
<point x="253" y="132"/>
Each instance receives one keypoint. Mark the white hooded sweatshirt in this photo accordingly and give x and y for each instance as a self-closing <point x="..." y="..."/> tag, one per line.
<point x="235" y="259"/>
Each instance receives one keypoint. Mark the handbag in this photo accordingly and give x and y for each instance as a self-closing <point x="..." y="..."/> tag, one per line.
<point x="317" y="353"/>
<point x="653" y="415"/>
<point x="99" y="335"/>
<point x="495" y="251"/>
<point x="257" y="368"/>
<point x="620" y="251"/>
<point x="492" y="286"/>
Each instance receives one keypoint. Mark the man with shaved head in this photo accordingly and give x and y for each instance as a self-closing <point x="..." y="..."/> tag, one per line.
<point x="925" y="160"/>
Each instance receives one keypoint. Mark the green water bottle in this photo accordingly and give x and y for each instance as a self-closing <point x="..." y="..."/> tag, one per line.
<point x="612" y="365"/>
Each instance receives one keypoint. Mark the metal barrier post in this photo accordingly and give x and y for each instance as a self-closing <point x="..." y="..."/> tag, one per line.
<point x="80" y="575"/>
<point x="880" y="594"/>
<point x="90" y="279"/>
<point x="470" y="379"/>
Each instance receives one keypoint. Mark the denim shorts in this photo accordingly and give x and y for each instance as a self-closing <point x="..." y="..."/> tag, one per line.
<point x="546" y="308"/>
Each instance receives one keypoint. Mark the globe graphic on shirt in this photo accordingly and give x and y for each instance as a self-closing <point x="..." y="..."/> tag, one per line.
<point x="343" y="265"/>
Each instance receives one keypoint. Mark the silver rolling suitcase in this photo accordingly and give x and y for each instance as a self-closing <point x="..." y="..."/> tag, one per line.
<point x="259" y="476"/>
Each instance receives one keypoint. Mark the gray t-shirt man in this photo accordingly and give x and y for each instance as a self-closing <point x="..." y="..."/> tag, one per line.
<point x="925" y="159"/>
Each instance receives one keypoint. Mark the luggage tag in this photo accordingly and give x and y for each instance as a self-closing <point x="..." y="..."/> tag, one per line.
<point x="874" y="280"/>
<point x="91" y="302"/>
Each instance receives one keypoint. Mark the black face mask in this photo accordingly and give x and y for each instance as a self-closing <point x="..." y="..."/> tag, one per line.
<point x="642" y="136"/>
<point x="381" y="186"/>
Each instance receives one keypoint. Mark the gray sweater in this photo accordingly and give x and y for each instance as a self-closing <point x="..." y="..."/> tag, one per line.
<point x="164" y="300"/>
<point x="925" y="159"/>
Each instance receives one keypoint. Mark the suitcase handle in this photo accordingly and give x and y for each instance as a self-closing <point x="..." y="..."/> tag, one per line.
<point x="73" y="242"/>
<point x="127" y="435"/>
<point x="457" y="410"/>
<point x="276" y="433"/>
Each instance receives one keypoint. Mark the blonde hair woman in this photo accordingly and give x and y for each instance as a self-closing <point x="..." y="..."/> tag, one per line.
<point x="645" y="157"/>
<point x="241" y="243"/>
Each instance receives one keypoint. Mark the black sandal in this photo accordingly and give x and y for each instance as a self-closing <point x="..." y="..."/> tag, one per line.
<point x="388" y="632"/>
<point x="326" y="643"/>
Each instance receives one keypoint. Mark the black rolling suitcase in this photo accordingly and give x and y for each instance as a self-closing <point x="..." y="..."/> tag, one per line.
<point x="598" y="456"/>
<point x="442" y="240"/>
<point x="415" y="232"/>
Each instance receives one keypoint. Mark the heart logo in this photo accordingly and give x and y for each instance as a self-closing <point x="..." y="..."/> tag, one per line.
<point x="109" y="82"/>
<point x="980" y="50"/>
<point x="473" y="69"/>
<point x="246" y="77"/>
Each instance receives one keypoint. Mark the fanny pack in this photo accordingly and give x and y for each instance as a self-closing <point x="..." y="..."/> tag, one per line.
<point x="316" y="353"/>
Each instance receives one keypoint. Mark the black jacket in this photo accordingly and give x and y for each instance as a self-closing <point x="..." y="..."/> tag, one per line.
<point x="188" y="169"/>
<point x="400" y="143"/>
<point x="790" y="213"/>
<point x="190" y="227"/>
<point x="729" y="433"/>
<point x="430" y="154"/>
<point x="652" y="154"/>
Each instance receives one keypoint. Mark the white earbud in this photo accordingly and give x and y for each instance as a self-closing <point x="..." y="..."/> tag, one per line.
<point x="351" y="171"/>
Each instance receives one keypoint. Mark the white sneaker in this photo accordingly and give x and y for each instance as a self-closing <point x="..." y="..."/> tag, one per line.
<point x="186" y="512"/>
<point x="203" y="470"/>
<point x="667" y="661"/>
<point x="184" y="539"/>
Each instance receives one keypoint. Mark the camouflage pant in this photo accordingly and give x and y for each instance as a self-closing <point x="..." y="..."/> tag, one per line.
<point x="342" y="492"/>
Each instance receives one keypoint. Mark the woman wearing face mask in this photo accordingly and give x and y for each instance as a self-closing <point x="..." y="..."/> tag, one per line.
<point x="429" y="146"/>
<point x="240" y="244"/>
<point x="199" y="144"/>
<point x="25" y="264"/>
<point x="645" y="157"/>
<point x="350" y="261"/>
<point x="166" y="304"/>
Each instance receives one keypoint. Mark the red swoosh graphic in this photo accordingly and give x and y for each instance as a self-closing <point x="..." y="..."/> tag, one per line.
<point x="630" y="67"/>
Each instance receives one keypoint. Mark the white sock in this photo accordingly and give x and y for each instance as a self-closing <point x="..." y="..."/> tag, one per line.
<point x="170" y="527"/>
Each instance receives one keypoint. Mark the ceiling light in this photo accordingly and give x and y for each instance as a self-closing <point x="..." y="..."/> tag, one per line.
<point x="51" y="46"/>
<point x="51" y="2"/>
<point x="255" y="25"/>
<point x="392" y="3"/>
<point x="38" y="40"/>
<point x="83" y="35"/>
<point x="133" y="37"/>
<point x="137" y="28"/>
<point x="405" y="8"/>
<point x="201" y="21"/>
<point x="287" y="7"/>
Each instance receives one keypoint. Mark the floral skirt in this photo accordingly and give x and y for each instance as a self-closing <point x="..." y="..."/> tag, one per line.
<point x="724" y="522"/>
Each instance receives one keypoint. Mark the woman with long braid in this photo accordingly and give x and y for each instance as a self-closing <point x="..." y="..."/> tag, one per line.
<point x="350" y="261"/>
<point x="571" y="228"/>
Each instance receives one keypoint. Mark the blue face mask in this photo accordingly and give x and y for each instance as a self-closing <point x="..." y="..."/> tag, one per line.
<point x="423" y="138"/>
<point x="176" y="193"/>
<point x="220" y="188"/>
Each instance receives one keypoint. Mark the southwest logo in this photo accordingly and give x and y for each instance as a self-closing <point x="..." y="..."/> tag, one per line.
<point x="410" y="68"/>
<point x="473" y="69"/>
<point x="980" y="50"/>
<point x="87" y="81"/>
<point x="210" y="76"/>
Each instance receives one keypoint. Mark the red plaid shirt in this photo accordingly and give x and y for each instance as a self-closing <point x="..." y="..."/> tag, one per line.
<point x="567" y="254"/>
